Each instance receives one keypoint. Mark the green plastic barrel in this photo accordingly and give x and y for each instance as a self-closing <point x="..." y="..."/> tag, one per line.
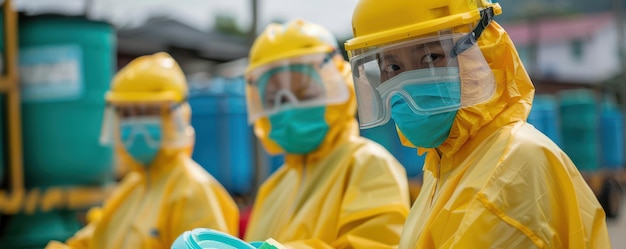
<point x="22" y="231"/>
<point x="579" y="128"/>
<point x="66" y="65"/>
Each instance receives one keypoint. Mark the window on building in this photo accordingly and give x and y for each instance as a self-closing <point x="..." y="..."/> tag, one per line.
<point x="577" y="49"/>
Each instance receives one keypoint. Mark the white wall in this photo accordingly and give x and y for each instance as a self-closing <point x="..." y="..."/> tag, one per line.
<point x="599" y="60"/>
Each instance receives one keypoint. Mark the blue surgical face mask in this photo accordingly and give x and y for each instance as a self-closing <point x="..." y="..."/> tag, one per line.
<point x="142" y="138"/>
<point x="427" y="129"/>
<point x="300" y="130"/>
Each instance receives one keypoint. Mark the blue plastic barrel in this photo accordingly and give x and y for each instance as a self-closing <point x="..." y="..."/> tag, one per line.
<point x="204" y="119"/>
<point x="276" y="162"/>
<point x="273" y="162"/>
<point x="382" y="135"/>
<point x="544" y="116"/>
<point x="387" y="136"/>
<point x="237" y="137"/>
<point x="579" y="127"/>
<point x="535" y="117"/>
<point x="223" y="137"/>
<point x="409" y="159"/>
<point x="612" y="136"/>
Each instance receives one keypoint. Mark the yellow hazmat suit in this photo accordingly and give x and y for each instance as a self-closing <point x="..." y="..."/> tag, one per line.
<point x="499" y="182"/>
<point x="495" y="182"/>
<point x="154" y="204"/>
<point x="347" y="193"/>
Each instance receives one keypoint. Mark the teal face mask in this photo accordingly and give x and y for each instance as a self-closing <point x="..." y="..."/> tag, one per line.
<point x="300" y="130"/>
<point x="141" y="138"/>
<point x="427" y="130"/>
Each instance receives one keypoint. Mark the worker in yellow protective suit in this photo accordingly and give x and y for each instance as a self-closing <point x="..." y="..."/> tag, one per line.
<point x="336" y="189"/>
<point x="454" y="84"/>
<point x="166" y="193"/>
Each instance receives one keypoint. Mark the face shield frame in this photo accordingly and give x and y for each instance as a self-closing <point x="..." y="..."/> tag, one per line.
<point x="299" y="82"/>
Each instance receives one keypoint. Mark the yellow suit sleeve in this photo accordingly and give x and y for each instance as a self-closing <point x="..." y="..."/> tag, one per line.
<point x="376" y="205"/>
<point x="501" y="215"/>
<point x="56" y="245"/>
<point x="492" y="228"/>
<point x="371" y="232"/>
<point x="80" y="240"/>
<point x="200" y="205"/>
<point x="374" y="208"/>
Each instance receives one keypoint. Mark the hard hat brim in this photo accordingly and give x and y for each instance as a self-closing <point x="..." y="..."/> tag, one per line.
<point x="415" y="30"/>
<point x="135" y="97"/>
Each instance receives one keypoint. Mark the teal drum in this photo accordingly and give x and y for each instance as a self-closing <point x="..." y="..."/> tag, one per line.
<point x="612" y="136"/>
<point x="544" y="116"/>
<point x="66" y="65"/>
<point x="579" y="128"/>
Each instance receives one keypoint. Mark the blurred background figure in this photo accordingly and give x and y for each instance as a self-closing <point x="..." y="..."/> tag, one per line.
<point x="336" y="189"/>
<point x="166" y="192"/>
<point x="454" y="84"/>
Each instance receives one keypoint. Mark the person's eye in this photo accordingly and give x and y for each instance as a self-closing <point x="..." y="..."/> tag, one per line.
<point x="431" y="58"/>
<point x="306" y="92"/>
<point x="391" y="68"/>
<point x="308" y="95"/>
<point x="269" y="101"/>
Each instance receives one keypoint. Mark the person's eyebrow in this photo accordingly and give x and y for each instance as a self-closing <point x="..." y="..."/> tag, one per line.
<point x="434" y="46"/>
<point x="390" y="57"/>
<point x="420" y="47"/>
<point x="395" y="54"/>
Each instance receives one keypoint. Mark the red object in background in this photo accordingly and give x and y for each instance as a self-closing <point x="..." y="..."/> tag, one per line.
<point x="244" y="216"/>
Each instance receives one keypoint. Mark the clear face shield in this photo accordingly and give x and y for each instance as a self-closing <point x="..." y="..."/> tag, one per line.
<point x="306" y="81"/>
<point x="158" y="125"/>
<point x="428" y="73"/>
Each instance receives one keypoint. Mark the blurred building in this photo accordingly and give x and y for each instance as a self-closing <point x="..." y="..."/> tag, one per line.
<point x="574" y="51"/>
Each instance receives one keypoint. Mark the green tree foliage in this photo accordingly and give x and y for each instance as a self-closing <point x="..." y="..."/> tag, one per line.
<point x="227" y="24"/>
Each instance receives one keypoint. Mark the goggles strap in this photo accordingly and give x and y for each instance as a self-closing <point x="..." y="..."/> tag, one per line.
<point x="467" y="41"/>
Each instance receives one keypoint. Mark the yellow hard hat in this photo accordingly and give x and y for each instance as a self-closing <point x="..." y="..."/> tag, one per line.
<point x="295" y="38"/>
<point x="150" y="78"/>
<point x="381" y="22"/>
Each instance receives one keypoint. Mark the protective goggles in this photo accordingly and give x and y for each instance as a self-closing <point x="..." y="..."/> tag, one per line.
<point x="306" y="81"/>
<point x="131" y="120"/>
<point x="430" y="73"/>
